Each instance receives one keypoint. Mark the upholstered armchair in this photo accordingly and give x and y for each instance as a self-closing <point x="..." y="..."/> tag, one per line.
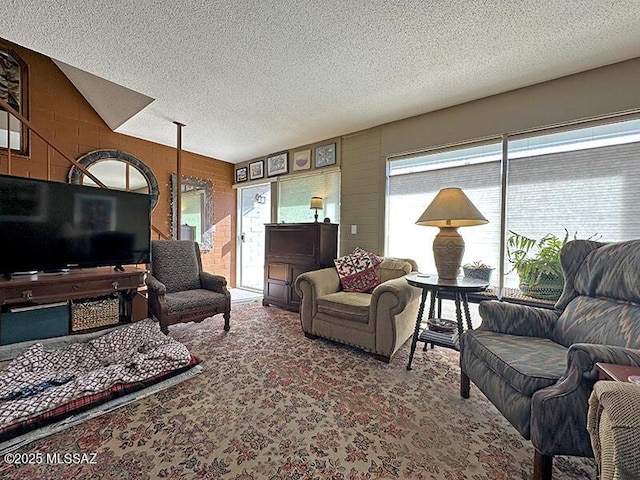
<point x="538" y="367"/>
<point x="379" y="321"/>
<point x="179" y="291"/>
<point x="614" y="426"/>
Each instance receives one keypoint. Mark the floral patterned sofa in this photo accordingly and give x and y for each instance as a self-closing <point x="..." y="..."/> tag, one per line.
<point x="538" y="366"/>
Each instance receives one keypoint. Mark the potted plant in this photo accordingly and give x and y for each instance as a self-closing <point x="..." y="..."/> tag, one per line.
<point x="478" y="269"/>
<point x="537" y="263"/>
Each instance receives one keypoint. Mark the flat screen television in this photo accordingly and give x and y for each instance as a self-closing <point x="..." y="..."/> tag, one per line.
<point x="51" y="226"/>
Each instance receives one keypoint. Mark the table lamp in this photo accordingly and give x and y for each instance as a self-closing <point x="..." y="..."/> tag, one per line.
<point x="316" y="204"/>
<point x="450" y="209"/>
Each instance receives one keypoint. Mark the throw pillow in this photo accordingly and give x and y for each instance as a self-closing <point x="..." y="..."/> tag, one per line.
<point x="357" y="271"/>
<point x="375" y="259"/>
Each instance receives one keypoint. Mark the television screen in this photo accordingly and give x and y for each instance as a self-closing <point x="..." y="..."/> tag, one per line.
<point x="48" y="226"/>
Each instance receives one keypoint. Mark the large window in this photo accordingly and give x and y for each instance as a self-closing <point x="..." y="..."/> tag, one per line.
<point x="295" y="192"/>
<point x="13" y="82"/>
<point x="584" y="181"/>
<point x="414" y="182"/>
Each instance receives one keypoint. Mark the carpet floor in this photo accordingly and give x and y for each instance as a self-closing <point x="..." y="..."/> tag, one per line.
<point x="272" y="404"/>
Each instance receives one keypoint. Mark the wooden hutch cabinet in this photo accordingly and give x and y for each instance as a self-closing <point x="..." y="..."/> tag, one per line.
<point x="291" y="249"/>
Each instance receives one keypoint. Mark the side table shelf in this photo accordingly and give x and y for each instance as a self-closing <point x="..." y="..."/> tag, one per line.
<point x="441" y="339"/>
<point x="459" y="290"/>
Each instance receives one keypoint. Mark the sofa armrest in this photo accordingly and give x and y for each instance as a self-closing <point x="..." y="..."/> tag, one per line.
<point x="318" y="282"/>
<point x="622" y="399"/>
<point x="216" y="283"/>
<point x="393" y="311"/>
<point x="562" y="407"/>
<point x="394" y="295"/>
<point x="515" y="319"/>
<point x="312" y="285"/>
<point x="156" y="291"/>
<point x="155" y="285"/>
<point x="614" y="426"/>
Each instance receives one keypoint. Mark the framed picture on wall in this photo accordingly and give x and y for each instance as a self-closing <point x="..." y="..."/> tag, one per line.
<point x="241" y="175"/>
<point x="302" y="160"/>
<point x="256" y="170"/>
<point x="277" y="164"/>
<point x="325" y="155"/>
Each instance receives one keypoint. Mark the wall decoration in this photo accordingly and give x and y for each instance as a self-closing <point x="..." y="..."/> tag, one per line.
<point x="302" y="160"/>
<point x="9" y="80"/>
<point x="325" y="155"/>
<point x="196" y="204"/>
<point x="241" y="175"/>
<point x="112" y="168"/>
<point x="256" y="170"/>
<point x="277" y="164"/>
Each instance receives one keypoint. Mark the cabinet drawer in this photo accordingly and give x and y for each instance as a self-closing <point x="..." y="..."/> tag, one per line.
<point x="80" y="288"/>
<point x="278" y="271"/>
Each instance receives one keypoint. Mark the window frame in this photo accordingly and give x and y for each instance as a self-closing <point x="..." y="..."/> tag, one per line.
<point x="505" y="138"/>
<point x="24" y="100"/>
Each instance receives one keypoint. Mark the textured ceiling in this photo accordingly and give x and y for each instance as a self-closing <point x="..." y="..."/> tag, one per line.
<point x="249" y="78"/>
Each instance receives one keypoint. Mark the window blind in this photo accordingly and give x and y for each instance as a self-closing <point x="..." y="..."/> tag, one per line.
<point x="410" y="194"/>
<point x="294" y="196"/>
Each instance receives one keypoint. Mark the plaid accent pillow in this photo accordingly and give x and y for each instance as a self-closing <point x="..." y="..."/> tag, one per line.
<point x="357" y="271"/>
<point x="375" y="259"/>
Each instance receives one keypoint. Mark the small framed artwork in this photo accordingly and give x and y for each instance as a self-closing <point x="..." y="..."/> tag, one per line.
<point x="325" y="155"/>
<point x="241" y="174"/>
<point x="302" y="160"/>
<point x="277" y="164"/>
<point x="256" y="170"/>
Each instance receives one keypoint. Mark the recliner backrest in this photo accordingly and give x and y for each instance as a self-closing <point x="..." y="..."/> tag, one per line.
<point x="176" y="264"/>
<point x="605" y="297"/>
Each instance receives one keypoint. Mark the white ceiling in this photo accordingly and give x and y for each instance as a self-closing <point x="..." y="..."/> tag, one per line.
<point x="250" y="78"/>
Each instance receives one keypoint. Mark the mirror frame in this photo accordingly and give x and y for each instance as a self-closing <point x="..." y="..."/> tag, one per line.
<point x="96" y="156"/>
<point x="206" y="242"/>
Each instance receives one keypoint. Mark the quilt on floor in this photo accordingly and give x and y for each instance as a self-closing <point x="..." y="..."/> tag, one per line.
<point x="40" y="381"/>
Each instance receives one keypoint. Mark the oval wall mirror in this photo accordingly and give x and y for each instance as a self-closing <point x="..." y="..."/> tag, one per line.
<point x="118" y="170"/>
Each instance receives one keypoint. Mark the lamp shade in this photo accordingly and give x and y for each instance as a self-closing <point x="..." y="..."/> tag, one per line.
<point x="316" y="202"/>
<point x="451" y="208"/>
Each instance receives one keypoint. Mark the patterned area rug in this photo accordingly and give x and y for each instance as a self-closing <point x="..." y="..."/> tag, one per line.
<point x="272" y="404"/>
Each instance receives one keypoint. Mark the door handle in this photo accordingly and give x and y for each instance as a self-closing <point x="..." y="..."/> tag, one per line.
<point x="242" y="237"/>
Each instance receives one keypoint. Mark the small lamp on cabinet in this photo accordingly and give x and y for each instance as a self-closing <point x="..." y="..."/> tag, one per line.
<point x="316" y="204"/>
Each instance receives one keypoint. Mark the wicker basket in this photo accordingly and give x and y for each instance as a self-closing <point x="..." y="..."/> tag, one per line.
<point x="94" y="313"/>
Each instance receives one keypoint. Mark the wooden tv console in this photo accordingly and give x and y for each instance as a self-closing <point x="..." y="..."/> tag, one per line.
<point x="72" y="285"/>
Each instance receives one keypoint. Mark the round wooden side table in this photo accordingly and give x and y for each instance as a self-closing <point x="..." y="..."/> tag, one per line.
<point x="459" y="288"/>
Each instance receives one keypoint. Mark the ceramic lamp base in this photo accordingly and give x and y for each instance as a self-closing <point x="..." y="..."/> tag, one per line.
<point x="448" y="249"/>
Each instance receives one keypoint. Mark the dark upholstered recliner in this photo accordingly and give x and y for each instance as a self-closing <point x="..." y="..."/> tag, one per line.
<point x="178" y="290"/>
<point x="538" y="367"/>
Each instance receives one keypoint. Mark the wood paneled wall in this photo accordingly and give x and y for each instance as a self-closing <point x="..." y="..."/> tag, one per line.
<point x="61" y="113"/>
